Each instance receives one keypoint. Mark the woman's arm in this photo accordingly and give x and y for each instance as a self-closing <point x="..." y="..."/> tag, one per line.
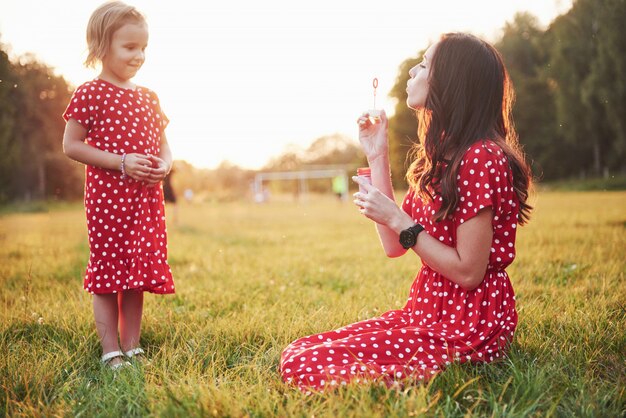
<point x="373" y="139"/>
<point x="136" y="166"/>
<point x="381" y="179"/>
<point x="464" y="264"/>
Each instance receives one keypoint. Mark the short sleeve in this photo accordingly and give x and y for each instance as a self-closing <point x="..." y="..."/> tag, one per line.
<point x="164" y="120"/>
<point x="483" y="180"/>
<point x="160" y="115"/>
<point x="407" y="203"/>
<point x="80" y="107"/>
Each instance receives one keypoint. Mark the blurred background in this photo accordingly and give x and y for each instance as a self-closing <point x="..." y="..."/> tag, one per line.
<point x="255" y="88"/>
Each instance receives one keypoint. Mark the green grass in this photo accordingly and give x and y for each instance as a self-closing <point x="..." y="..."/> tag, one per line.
<point x="611" y="183"/>
<point x="252" y="278"/>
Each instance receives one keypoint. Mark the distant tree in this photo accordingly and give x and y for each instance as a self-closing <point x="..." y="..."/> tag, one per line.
<point x="9" y="147"/>
<point x="604" y="89"/>
<point x="32" y="163"/>
<point x="587" y="63"/>
<point x="334" y="149"/>
<point x="287" y="161"/>
<point x="40" y="99"/>
<point x="525" y="54"/>
<point x="232" y="178"/>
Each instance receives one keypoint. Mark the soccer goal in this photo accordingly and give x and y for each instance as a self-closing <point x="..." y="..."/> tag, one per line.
<point x="339" y="178"/>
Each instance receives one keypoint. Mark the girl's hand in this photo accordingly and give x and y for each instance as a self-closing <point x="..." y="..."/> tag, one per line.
<point x="376" y="205"/>
<point x="159" y="170"/>
<point x="373" y="136"/>
<point x="137" y="166"/>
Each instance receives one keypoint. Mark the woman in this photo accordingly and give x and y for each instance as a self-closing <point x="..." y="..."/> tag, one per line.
<point x="468" y="192"/>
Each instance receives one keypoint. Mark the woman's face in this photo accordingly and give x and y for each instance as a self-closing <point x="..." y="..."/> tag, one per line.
<point x="417" y="86"/>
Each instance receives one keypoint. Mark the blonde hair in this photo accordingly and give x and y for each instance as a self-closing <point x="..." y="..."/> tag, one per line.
<point x="103" y="23"/>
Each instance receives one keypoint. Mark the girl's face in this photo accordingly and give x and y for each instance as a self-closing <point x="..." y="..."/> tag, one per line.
<point x="417" y="86"/>
<point x="126" y="53"/>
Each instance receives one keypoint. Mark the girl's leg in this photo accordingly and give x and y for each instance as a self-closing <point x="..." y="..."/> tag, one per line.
<point x="130" y="305"/>
<point x="105" y="313"/>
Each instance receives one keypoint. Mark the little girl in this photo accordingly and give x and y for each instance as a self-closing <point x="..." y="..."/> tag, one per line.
<point x="116" y="129"/>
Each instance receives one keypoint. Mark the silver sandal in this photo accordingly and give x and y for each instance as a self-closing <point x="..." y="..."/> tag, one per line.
<point x="106" y="360"/>
<point x="136" y="352"/>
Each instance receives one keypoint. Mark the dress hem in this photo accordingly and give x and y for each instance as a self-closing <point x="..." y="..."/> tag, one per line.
<point x="148" y="272"/>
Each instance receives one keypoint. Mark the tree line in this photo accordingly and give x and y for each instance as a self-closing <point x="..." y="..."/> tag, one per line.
<point x="570" y="112"/>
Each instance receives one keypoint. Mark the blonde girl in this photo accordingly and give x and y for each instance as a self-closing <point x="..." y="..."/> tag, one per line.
<point x="116" y="129"/>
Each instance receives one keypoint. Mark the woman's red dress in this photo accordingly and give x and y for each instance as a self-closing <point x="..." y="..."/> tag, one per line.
<point x="441" y="323"/>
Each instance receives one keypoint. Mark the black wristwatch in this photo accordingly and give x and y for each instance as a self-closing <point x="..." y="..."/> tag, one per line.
<point x="408" y="237"/>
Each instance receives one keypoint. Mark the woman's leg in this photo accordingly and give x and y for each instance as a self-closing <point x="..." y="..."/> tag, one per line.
<point x="106" y="314"/>
<point x="386" y="348"/>
<point x="130" y="312"/>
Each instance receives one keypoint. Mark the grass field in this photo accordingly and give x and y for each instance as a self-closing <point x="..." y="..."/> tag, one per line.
<point x="252" y="278"/>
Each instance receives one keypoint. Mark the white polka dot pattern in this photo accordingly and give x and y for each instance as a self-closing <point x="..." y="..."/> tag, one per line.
<point x="440" y="322"/>
<point x="125" y="218"/>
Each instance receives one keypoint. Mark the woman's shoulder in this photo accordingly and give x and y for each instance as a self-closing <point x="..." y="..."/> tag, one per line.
<point x="483" y="157"/>
<point x="482" y="151"/>
<point x="484" y="146"/>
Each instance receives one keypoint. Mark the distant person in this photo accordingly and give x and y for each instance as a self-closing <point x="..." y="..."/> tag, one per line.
<point x="168" y="191"/>
<point x="340" y="187"/>
<point x="170" y="195"/>
<point x="469" y="184"/>
<point x="116" y="129"/>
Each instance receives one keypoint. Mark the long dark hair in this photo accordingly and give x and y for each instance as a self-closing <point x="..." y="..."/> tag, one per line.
<point x="470" y="98"/>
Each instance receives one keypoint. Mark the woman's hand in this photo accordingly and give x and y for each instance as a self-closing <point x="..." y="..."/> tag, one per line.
<point x="373" y="135"/>
<point x="137" y="166"/>
<point x="378" y="207"/>
<point x="159" y="170"/>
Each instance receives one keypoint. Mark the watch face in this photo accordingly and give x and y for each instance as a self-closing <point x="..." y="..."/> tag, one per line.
<point x="407" y="239"/>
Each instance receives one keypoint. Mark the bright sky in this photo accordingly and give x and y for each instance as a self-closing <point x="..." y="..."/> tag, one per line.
<point x="242" y="80"/>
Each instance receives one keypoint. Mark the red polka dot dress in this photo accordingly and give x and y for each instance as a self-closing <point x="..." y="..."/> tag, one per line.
<point x="441" y="322"/>
<point x="125" y="217"/>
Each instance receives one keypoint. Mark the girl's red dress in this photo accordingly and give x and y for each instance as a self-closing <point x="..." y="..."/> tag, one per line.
<point x="125" y="218"/>
<point x="441" y="323"/>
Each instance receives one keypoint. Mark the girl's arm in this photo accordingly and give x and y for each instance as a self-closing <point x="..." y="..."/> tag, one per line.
<point x="136" y="166"/>
<point x="464" y="264"/>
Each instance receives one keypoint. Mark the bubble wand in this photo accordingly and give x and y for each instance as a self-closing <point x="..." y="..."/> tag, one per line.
<point x="374" y="114"/>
